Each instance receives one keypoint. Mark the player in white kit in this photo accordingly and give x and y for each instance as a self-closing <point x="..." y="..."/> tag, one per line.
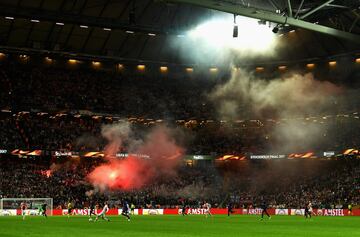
<point x="311" y="209"/>
<point x="207" y="207"/>
<point x="103" y="213"/>
<point x="23" y="210"/>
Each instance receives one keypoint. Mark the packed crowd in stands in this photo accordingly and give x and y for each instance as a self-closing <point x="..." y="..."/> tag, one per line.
<point x="64" y="108"/>
<point x="327" y="184"/>
<point x="37" y="87"/>
<point x="56" y="89"/>
<point x="176" y="102"/>
<point x="67" y="132"/>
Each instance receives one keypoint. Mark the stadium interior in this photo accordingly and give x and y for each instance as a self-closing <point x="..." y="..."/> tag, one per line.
<point x="173" y="103"/>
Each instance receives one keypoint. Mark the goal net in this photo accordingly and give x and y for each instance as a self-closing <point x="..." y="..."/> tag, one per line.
<point x="11" y="206"/>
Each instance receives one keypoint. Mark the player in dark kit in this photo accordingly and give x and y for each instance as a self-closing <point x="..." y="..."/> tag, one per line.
<point x="264" y="210"/>
<point x="308" y="210"/>
<point x="43" y="210"/>
<point x="70" y="208"/>
<point x="183" y="209"/>
<point x="125" y="210"/>
<point x="230" y="208"/>
<point x="91" y="210"/>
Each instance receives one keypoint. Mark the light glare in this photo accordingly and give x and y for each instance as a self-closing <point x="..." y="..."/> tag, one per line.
<point x="217" y="33"/>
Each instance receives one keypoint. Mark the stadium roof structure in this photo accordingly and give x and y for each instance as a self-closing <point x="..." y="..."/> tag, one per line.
<point x="143" y="29"/>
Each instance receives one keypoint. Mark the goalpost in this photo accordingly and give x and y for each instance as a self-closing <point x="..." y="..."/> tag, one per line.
<point x="11" y="206"/>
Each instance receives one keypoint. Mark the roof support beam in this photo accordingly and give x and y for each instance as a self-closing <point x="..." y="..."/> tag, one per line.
<point x="338" y="6"/>
<point x="275" y="6"/>
<point x="270" y="16"/>
<point x="92" y="29"/>
<point x="354" y="23"/>
<point x="289" y="8"/>
<point x="12" y="22"/>
<point x="300" y="6"/>
<point x="316" y="9"/>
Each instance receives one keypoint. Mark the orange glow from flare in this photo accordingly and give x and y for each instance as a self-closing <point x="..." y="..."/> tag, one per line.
<point x="113" y="175"/>
<point x="46" y="173"/>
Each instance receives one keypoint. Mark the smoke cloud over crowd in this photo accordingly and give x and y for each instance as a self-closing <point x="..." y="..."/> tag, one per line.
<point x="246" y="96"/>
<point x="295" y="94"/>
<point x="161" y="160"/>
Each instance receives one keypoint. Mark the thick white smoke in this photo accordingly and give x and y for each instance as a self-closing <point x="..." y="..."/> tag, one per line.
<point x="116" y="134"/>
<point x="245" y="96"/>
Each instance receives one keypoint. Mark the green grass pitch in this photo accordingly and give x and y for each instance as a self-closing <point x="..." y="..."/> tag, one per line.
<point x="159" y="226"/>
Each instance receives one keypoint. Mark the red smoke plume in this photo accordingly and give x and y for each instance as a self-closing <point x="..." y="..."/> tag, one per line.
<point x="133" y="172"/>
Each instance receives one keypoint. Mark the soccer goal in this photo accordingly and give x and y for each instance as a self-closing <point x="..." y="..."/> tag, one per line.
<point x="11" y="206"/>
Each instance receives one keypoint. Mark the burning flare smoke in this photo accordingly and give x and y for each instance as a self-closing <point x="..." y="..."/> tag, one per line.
<point x="134" y="172"/>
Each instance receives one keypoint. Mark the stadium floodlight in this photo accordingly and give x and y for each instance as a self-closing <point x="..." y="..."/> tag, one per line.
<point x="216" y="34"/>
<point x="235" y="29"/>
<point x="9" y="206"/>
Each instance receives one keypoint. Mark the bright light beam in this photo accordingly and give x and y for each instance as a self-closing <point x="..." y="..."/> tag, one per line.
<point x="217" y="33"/>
